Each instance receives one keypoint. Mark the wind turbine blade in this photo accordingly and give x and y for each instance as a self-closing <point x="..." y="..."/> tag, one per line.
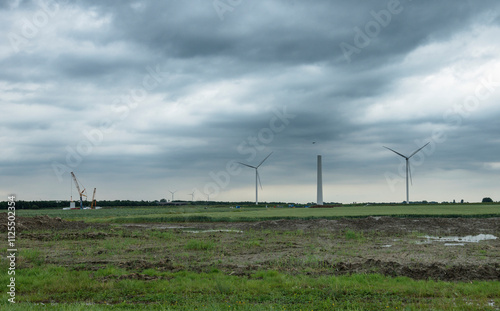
<point x="258" y="178"/>
<point x="419" y="150"/>
<point x="264" y="159"/>
<point x="396" y="152"/>
<point x="246" y="165"/>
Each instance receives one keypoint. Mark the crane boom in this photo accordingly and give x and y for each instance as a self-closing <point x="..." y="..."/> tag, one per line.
<point x="76" y="182"/>
<point x="80" y="192"/>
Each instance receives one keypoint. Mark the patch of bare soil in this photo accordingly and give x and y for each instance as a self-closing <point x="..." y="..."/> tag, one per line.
<point x="162" y="265"/>
<point x="416" y="271"/>
<point x="419" y="271"/>
<point x="67" y="236"/>
<point x="391" y="246"/>
<point x="44" y="223"/>
<point x="391" y="225"/>
<point x="133" y="276"/>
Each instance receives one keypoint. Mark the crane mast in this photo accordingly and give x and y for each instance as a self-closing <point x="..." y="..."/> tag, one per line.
<point x="80" y="192"/>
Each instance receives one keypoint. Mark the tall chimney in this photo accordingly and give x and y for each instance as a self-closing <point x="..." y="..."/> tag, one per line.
<point x="319" y="200"/>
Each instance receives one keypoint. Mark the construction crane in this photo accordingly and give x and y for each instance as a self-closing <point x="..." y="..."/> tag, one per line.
<point x="80" y="192"/>
<point x="92" y="205"/>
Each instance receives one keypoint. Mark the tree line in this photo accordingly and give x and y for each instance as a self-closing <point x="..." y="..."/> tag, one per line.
<point x="61" y="204"/>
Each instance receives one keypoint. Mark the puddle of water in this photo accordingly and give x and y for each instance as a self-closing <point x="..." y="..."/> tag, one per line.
<point x="457" y="240"/>
<point x="153" y="226"/>
<point x="465" y="239"/>
<point x="215" y="230"/>
<point x="424" y="242"/>
<point x="184" y="229"/>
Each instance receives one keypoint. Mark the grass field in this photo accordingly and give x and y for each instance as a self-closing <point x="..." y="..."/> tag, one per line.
<point x="126" y="267"/>
<point x="252" y="213"/>
<point x="49" y="286"/>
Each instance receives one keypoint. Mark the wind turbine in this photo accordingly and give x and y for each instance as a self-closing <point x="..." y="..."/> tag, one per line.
<point x="172" y="194"/>
<point x="257" y="177"/>
<point x="192" y="195"/>
<point x="408" y="169"/>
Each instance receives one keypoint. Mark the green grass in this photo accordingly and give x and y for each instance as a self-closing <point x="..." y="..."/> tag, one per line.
<point x="199" y="214"/>
<point x="259" y="214"/>
<point x="32" y="255"/>
<point x="353" y="235"/>
<point x="109" y="213"/>
<point x="65" y="289"/>
<point x="199" y="245"/>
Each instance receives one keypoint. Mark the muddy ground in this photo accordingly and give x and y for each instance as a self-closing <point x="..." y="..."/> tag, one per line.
<point x="44" y="223"/>
<point x="388" y="245"/>
<point x="387" y="225"/>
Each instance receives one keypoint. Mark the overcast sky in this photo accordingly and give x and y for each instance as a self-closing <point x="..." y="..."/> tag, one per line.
<point x="140" y="98"/>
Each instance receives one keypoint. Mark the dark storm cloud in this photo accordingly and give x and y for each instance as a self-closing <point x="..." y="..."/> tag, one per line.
<point x="418" y="23"/>
<point x="283" y="31"/>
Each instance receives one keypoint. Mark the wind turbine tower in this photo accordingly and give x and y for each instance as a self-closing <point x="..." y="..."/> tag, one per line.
<point x="192" y="195"/>
<point x="408" y="169"/>
<point x="319" y="199"/>
<point x="257" y="177"/>
<point x="172" y="194"/>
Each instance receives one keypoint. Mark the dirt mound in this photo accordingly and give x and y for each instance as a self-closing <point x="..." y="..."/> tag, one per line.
<point x="162" y="265"/>
<point x="133" y="276"/>
<point x="67" y="236"/>
<point x="42" y="223"/>
<point x="389" y="225"/>
<point x="417" y="271"/>
<point x="420" y="271"/>
<point x="431" y="225"/>
<point x="286" y="224"/>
